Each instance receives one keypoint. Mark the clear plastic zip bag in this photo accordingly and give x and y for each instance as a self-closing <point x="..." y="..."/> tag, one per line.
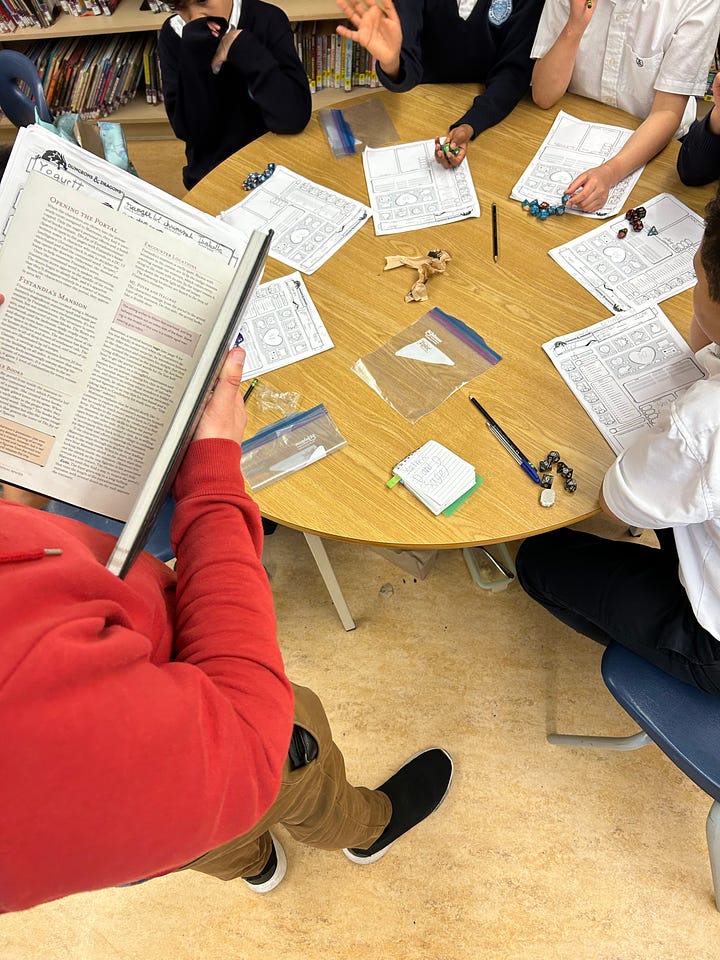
<point x="288" y="445"/>
<point x="426" y="363"/>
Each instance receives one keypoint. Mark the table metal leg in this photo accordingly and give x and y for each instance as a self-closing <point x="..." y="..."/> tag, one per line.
<point x="317" y="548"/>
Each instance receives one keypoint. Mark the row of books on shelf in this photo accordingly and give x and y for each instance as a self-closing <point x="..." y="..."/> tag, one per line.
<point x="20" y="14"/>
<point x="93" y="76"/>
<point x="332" y="61"/>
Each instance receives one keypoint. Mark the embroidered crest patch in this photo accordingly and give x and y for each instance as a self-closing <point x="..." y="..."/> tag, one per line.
<point x="499" y="11"/>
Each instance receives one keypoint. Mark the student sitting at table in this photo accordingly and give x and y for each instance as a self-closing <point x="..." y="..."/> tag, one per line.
<point x="699" y="158"/>
<point x="450" y="41"/>
<point x="230" y="73"/>
<point x="647" y="57"/>
<point x="662" y="604"/>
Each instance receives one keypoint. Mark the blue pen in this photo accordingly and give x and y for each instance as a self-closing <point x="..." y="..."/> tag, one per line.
<point x="514" y="451"/>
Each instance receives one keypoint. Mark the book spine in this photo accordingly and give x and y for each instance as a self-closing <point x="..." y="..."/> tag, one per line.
<point x="318" y="62"/>
<point x="347" y="80"/>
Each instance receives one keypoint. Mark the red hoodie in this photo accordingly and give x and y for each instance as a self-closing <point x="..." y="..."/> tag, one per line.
<point x="144" y="721"/>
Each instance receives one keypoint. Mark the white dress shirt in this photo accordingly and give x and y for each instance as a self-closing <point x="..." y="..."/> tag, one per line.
<point x="466" y="7"/>
<point x="670" y="477"/>
<point x="177" y="22"/>
<point x="632" y="48"/>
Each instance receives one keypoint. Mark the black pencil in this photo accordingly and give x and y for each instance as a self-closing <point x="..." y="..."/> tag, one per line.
<point x="495" y="232"/>
<point x="250" y="389"/>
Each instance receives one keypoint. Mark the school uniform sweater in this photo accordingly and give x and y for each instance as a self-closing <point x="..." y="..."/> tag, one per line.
<point x="261" y="87"/>
<point x="698" y="161"/>
<point x="146" y="720"/>
<point x="440" y="47"/>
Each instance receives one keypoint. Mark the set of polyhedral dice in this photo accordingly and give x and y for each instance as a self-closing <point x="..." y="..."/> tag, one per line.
<point x="635" y="219"/>
<point x="253" y="180"/>
<point x="544" y="210"/>
<point x="547" y="495"/>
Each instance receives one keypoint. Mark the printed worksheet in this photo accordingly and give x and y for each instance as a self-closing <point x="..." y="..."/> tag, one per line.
<point x="310" y="222"/>
<point x="626" y="371"/>
<point x="408" y="189"/>
<point x="571" y="147"/>
<point x="644" y="267"/>
<point x="281" y="325"/>
<point x="42" y="151"/>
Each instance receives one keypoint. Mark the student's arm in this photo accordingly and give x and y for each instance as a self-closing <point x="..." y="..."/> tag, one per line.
<point x="189" y="87"/>
<point x="652" y="136"/>
<point x="660" y="481"/>
<point x="273" y="73"/>
<point x="145" y="732"/>
<point x="605" y="508"/>
<point x="699" y="158"/>
<point x="507" y="82"/>
<point x="552" y="73"/>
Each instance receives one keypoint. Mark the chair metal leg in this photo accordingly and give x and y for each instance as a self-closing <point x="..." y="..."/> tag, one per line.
<point x="504" y="566"/>
<point x="712" y="829"/>
<point x="637" y="740"/>
<point x="317" y="548"/>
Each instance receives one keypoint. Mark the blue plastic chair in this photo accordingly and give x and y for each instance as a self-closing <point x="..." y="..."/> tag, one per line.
<point x="158" y="543"/>
<point x="18" y="106"/>
<point x="681" y="720"/>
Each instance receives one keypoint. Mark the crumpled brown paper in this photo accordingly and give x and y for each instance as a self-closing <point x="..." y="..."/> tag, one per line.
<point x="433" y="262"/>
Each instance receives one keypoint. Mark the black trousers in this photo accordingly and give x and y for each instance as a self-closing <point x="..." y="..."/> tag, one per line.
<point x="622" y="591"/>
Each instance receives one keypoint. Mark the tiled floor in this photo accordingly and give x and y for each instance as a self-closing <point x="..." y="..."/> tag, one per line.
<point x="539" y="853"/>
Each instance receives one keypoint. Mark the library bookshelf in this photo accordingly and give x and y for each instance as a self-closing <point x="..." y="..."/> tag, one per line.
<point x="142" y="120"/>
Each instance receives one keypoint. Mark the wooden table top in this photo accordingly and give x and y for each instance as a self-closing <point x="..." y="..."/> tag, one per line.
<point x="515" y="304"/>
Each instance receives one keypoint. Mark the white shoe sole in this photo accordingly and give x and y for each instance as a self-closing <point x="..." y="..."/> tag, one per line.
<point x="280" y="871"/>
<point x="381" y="853"/>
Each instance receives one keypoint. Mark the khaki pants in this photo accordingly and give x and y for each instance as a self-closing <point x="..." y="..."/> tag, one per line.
<point x="315" y="804"/>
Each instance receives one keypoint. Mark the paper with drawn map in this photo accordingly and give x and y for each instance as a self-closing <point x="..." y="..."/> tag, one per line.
<point x="280" y="325"/>
<point x="640" y="268"/>
<point x="309" y="222"/>
<point x="571" y="147"/>
<point x="409" y="190"/>
<point x="626" y="371"/>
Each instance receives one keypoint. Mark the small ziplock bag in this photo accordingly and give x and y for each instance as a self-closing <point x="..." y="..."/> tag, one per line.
<point x="425" y="363"/>
<point x="289" y="445"/>
<point x="359" y="125"/>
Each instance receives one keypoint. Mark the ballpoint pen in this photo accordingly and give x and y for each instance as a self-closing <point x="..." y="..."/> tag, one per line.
<point x="514" y="451"/>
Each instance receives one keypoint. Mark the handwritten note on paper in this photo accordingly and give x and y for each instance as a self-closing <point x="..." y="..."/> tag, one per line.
<point x="626" y="371"/>
<point x="625" y="273"/>
<point x="310" y="222"/>
<point x="408" y="188"/>
<point x="436" y="475"/>
<point x="571" y="147"/>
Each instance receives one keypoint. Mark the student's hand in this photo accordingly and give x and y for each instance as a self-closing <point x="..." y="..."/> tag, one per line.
<point x="714" y="121"/>
<point x="223" y="48"/>
<point x="596" y="184"/>
<point x="377" y="29"/>
<point x="224" y="416"/>
<point x="581" y="13"/>
<point x="458" y="138"/>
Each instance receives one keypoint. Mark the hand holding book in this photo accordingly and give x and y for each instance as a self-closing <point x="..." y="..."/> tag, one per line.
<point x="224" y="416"/>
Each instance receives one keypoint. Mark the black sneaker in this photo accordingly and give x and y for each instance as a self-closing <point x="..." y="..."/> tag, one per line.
<point x="273" y="871"/>
<point x="415" y="791"/>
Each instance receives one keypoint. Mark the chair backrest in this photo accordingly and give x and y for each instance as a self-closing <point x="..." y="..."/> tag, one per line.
<point x="682" y="720"/>
<point x="19" y="107"/>
<point x="158" y="542"/>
